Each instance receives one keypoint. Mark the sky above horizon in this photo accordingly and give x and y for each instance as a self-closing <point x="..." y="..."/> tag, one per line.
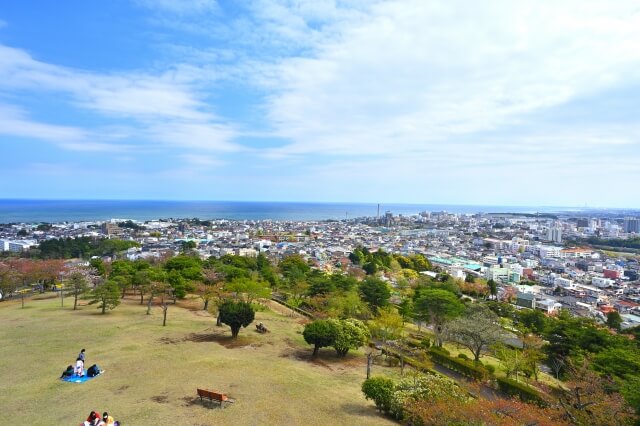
<point x="414" y="101"/>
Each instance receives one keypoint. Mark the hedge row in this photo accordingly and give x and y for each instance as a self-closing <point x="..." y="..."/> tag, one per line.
<point x="293" y="308"/>
<point x="521" y="390"/>
<point x="462" y="366"/>
<point x="415" y="363"/>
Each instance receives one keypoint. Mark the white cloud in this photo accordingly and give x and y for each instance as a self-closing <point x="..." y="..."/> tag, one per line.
<point x="416" y="75"/>
<point x="164" y="107"/>
<point x="16" y="122"/>
<point x="180" y="7"/>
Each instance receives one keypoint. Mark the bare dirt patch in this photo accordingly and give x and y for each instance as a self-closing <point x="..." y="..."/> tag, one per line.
<point x="122" y="388"/>
<point x="160" y="399"/>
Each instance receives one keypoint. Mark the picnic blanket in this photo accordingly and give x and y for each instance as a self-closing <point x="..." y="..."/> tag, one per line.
<point x="80" y="379"/>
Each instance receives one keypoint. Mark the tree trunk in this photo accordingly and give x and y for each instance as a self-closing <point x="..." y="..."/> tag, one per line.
<point x="235" y="329"/>
<point x="219" y="320"/>
<point x="149" y="305"/>
<point x="476" y="354"/>
<point x="123" y="290"/>
<point x="104" y="306"/>
<point x="62" y="297"/>
<point x="165" y="308"/>
<point x="369" y="363"/>
<point x="206" y="305"/>
<point x="22" y="298"/>
<point x="316" y="348"/>
<point x="141" y="297"/>
<point x="75" y="300"/>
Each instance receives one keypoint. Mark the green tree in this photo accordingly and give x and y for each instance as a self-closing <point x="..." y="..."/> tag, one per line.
<point x="405" y="309"/>
<point x="156" y="288"/>
<point x="388" y="325"/>
<point x="531" y="320"/>
<point x="343" y="282"/>
<point x="493" y="288"/>
<point x="106" y="295"/>
<point x="236" y="314"/>
<point x="614" y="320"/>
<point x="475" y="330"/>
<point x="98" y="265"/>
<point x="293" y="266"/>
<point x="79" y="284"/>
<point x="349" y="334"/>
<point x="248" y="289"/>
<point x="320" y="284"/>
<point x="370" y="268"/>
<point x="320" y="334"/>
<point x="437" y="307"/>
<point x="374" y="292"/>
<point x="188" y="246"/>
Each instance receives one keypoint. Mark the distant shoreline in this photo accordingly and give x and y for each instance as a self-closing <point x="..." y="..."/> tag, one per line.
<point x="56" y="211"/>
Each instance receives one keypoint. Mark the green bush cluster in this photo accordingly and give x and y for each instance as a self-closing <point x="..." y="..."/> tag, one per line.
<point x="391" y="398"/>
<point x="467" y="368"/>
<point x="524" y="392"/>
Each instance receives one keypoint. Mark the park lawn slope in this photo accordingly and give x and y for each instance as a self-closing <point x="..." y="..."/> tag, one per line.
<point x="152" y="372"/>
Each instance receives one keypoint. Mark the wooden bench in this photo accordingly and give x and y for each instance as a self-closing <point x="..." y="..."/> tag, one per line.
<point x="213" y="396"/>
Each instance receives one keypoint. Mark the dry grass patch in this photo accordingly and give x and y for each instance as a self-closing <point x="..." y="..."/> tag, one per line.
<point x="152" y="372"/>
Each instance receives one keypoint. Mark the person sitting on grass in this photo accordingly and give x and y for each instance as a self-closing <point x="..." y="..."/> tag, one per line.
<point x="108" y="420"/>
<point x="79" y="367"/>
<point x="70" y="371"/>
<point x="93" y="419"/>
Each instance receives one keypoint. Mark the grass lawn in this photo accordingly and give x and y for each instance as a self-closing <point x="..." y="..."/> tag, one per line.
<point x="152" y="372"/>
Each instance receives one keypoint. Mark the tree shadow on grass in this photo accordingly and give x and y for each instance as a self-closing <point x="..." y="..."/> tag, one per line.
<point x="361" y="410"/>
<point x="326" y="358"/>
<point x="220" y="337"/>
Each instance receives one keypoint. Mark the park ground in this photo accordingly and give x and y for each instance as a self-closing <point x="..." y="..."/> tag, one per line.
<point x="152" y="372"/>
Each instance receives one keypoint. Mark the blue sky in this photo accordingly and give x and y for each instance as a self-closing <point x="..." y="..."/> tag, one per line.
<point x="452" y="101"/>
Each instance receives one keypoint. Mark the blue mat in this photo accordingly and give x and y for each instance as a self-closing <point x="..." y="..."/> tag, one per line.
<point x="79" y="379"/>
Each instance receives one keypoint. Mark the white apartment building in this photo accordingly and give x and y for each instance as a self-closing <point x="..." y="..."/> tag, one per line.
<point x="563" y="282"/>
<point x="547" y="252"/>
<point x="601" y="282"/>
<point x="554" y="234"/>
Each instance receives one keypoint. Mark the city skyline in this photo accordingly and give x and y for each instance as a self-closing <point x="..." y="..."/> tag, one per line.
<point x="322" y="101"/>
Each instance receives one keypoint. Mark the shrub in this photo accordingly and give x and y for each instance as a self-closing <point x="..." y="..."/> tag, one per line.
<point x="467" y="368"/>
<point x="392" y="398"/>
<point x="236" y="315"/>
<point x="463" y="356"/>
<point x="380" y="390"/>
<point x="491" y="369"/>
<point x="319" y="333"/>
<point x="524" y="392"/>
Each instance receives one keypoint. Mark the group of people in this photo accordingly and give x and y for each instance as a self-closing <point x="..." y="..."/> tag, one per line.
<point x="77" y="369"/>
<point x="94" y="419"/>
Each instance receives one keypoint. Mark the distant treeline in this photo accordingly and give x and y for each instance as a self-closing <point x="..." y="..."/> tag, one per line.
<point x="542" y="215"/>
<point x="67" y="248"/>
<point x="633" y="243"/>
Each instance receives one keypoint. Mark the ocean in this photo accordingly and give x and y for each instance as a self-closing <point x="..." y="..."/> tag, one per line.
<point x="52" y="211"/>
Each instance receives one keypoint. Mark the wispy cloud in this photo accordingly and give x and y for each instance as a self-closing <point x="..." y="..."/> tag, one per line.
<point x="415" y="74"/>
<point x="180" y="7"/>
<point x="164" y="107"/>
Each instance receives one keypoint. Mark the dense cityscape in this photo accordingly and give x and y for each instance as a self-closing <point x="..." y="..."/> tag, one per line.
<point x="545" y="262"/>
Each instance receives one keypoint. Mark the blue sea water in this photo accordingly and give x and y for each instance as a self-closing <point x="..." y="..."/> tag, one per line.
<point x="35" y="211"/>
